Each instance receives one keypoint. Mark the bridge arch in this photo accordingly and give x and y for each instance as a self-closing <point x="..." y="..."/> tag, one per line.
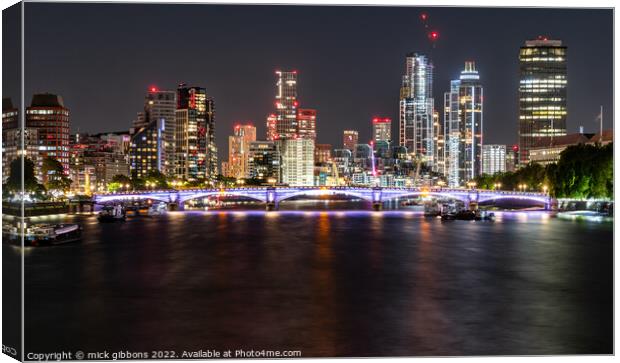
<point x="282" y="196"/>
<point x="259" y="195"/>
<point x="100" y="199"/>
<point x="533" y="198"/>
<point x="462" y="198"/>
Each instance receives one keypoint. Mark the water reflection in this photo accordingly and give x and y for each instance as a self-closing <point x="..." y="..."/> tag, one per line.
<point x="330" y="283"/>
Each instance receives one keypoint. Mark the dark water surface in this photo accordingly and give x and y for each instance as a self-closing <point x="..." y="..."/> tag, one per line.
<point x="337" y="283"/>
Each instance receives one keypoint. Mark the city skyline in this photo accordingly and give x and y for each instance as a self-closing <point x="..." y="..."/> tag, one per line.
<point x="318" y="85"/>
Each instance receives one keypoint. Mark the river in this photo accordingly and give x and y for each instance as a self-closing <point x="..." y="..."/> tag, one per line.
<point x="326" y="283"/>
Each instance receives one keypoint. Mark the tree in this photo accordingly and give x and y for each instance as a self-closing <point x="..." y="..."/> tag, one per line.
<point x="120" y="182"/>
<point x="156" y="179"/>
<point x="14" y="181"/>
<point x="54" y="175"/>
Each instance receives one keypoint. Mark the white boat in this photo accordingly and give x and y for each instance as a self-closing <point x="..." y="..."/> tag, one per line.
<point x="44" y="234"/>
<point x="112" y="213"/>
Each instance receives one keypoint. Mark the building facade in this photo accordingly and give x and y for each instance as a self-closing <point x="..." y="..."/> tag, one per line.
<point x="306" y="123"/>
<point x="297" y="155"/>
<point x="264" y="161"/>
<point x="146" y="149"/>
<point x="48" y="115"/>
<point x="350" y="139"/>
<point x="542" y="93"/>
<point x="239" y="151"/>
<point x="463" y="127"/>
<point x="381" y="129"/>
<point x="286" y="104"/>
<point x="493" y="159"/>
<point x="196" y="152"/>
<point x="416" y="108"/>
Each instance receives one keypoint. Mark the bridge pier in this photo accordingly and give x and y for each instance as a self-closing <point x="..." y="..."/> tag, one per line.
<point x="377" y="202"/>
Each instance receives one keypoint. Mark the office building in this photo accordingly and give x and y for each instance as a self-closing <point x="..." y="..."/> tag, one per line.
<point x="493" y="159"/>
<point x="306" y="123"/>
<point x="48" y="115"/>
<point x="381" y="129"/>
<point x="264" y="161"/>
<point x="160" y="106"/>
<point x="286" y="104"/>
<point x="146" y="149"/>
<point x="195" y="149"/>
<point x="239" y="150"/>
<point x="542" y="93"/>
<point x="297" y="155"/>
<point x="416" y="108"/>
<point x="322" y="153"/>
<point x="463" y="127"/>
<point x="350" y="139"/>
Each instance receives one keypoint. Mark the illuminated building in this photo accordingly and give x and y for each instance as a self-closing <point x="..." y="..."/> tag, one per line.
<point x="160" y="105"/>
<point x="381" y="129"/>
<point x="264" y="160"/>
<point x="146" y="149"/>
<point x="349" y="139"/>
<point x="542" y="93"/>
<point x="286" y="105"/>
<point x="239" y="151"/>
<point x="416" y="108"/>
<point x="306" y="123"/>
<point x="322" y="153"/>
<point x="271" y="127"/>
<point x="512" y="158"/>
<point x="96" y="159"/>
<point x="343" y="158"/>
<point x="49" y="116"/>
<point x="196" y="152"/>
<point x="463" y="128"/>
<point x="439" y="144"/>
<point x="547" y="150"/>
<point x="297" y="168"/>
<point x="493" y="159"/>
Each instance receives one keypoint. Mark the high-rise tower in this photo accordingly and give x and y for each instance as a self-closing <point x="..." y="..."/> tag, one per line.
<point x="416" y="108"/>
<point x="542" y="93"/>
<point x="286" y="104"/>
<point x="463" y="127"/>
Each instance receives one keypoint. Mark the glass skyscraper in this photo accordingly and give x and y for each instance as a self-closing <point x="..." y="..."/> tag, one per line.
<point x="542" y="93"/>
<point x="463" y="127"/>
<point x="416" y="108"/>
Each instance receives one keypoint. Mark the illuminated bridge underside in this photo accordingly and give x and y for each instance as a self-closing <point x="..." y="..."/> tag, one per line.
<point x="277" y="195"/>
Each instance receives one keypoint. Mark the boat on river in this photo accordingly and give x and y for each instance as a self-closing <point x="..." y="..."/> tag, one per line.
<point x="112" y="214"/>
<point x="43" y="234"/>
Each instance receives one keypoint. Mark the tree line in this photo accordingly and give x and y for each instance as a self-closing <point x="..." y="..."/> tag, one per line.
<point x="583" y="171"/>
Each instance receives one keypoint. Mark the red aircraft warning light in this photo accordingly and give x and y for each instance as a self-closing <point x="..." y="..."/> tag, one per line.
<point x="153" y="89"/>
<point x="433" y="35"/>
<point x="424" y="16"/>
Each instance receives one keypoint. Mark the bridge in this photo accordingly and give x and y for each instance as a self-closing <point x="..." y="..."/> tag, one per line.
<point x="272" y="196"/>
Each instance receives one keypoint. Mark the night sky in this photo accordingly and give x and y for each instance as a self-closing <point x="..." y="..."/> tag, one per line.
<point x="102" y="58"/>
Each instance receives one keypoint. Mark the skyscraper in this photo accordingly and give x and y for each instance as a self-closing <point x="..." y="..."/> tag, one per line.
<point x="286" y="104"/>
<point x="239" y="150"/>
<point x="195" y="130"/>
<point x="493" y="159"/>
<point x="416" y="108"/>
<point x="160" y="106"/>
<point x="306" y="123"/>
<point x="463" y="127"/>
<point x="542" y="93"/>
<point x="349" y="139"/>
<point x="272" y="130"/>
<point x="48" y="115"/>
<point x="381" y="129"/>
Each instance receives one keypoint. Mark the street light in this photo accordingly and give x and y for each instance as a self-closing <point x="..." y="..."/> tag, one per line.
<point x="545" y="188"/>
<point x="441" y="183"/>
